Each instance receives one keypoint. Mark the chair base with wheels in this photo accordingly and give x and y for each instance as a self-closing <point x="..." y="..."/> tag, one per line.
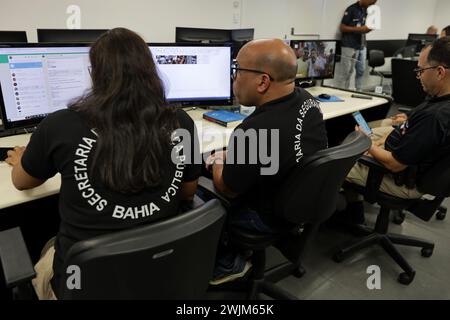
<point x="379" y="235"/>
<point x="262" y="281"/>
<point x="399" y="215"/>
<point x="434" y="184"/>
<point x="307" y="197"/>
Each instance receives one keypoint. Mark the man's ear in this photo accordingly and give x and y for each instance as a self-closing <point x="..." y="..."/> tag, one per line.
<point x="264" y="83"/>
<point x="442" y="73"/>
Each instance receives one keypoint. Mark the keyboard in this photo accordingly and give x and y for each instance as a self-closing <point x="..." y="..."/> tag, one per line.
<point x="15" y="131"/>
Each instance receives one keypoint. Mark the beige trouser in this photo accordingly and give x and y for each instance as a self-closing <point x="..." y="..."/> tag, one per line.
<point x="381" y="123"/>
<point x="358" y="175"/>
<point x="44" y="273"/>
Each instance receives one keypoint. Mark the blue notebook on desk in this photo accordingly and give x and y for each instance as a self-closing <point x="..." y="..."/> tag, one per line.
<point x="332" y="99"/>
<point x="223" y="117"/>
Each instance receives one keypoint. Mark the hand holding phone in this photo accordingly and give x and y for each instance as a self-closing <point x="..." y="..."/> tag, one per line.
<point x="362" y="122"/>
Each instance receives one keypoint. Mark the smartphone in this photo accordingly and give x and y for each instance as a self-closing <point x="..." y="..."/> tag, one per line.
<point x="362" y="122"/>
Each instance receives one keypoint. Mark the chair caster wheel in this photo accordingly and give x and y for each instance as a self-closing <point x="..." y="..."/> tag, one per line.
<point x="299" y="272"/>
<point x="338" y="257"/>
<point x="406" y="278"/>
<point x="398" y="218"/>
<point x="441" y="213"/>
<point x="427" y="252"/>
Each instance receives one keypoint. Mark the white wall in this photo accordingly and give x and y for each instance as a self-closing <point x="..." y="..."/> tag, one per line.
<point x="442" y="14"/>
<point x="156" y="20"/>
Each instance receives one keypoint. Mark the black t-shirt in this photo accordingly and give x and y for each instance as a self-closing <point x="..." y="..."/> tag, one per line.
<point x="425" y="138"/>
<point x="64" y="143"/>
<point x="301" y="132"/>
<point x="354" y="16"/>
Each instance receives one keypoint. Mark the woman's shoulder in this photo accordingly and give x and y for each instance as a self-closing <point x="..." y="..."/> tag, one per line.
<point x="63" y="120"/>
<point x="63" y="115"/>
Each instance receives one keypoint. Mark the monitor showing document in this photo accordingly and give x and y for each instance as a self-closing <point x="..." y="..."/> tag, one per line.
<point x="38" y="80"/>
<point x="195" y="73"/>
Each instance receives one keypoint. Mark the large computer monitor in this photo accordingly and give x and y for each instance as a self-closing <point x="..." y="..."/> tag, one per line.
<point x="316" y="59"/>
<point x="69" y="35"/>
<point x="195" y="74"/>
<point x="13" y="36"/>
<point x="419" y="41"/>
<point x="38" y="79"/>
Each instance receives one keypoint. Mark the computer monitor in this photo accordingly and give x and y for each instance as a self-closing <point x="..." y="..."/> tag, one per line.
<point x="202" y="35"/>
<point x="195" y="74"/>
<point x="316" y="59"/>
<point x="69" y="35"/>
<point x="38" y="79"/>
<point x="420" y="40"/>
<point x="242" y="35"/>
<point x="237" y="37"/>
<point x="13" y="36"/>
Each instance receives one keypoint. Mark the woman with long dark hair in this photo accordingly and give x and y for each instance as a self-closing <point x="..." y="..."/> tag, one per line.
<point x="115" y="150"/>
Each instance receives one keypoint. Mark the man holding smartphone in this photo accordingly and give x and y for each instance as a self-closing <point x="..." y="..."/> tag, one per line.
<point x="422" y="139"/>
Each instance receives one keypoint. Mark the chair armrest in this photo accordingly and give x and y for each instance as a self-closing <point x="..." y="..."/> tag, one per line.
<point x="374" y="177"/>
<point x="15" y="259"/>
<point x="207" y="186"/>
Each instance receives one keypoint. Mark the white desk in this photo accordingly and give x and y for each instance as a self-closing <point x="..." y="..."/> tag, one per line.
<point x="9" y="195"/>
<point x="211" y="135"/>
<point x="214" y="136"/>
<point x="336" y="109"/>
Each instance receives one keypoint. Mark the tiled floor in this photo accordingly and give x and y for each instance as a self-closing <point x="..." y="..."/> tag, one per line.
<point x="326" y="279"/>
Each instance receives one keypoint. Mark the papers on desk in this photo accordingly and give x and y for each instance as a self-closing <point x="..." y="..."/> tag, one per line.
<point x="332" y="99"/>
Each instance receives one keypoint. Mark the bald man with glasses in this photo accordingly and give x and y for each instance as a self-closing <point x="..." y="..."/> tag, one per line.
<point x="287" y="121"/>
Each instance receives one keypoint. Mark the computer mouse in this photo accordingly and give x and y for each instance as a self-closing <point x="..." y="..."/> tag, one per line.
<point x="324" y="96"/>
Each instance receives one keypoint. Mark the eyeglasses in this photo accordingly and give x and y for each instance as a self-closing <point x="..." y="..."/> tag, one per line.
<point x="235" y="68"/>
<point x="419" y="71"/>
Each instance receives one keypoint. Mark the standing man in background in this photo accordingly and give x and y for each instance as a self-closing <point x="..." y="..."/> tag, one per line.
<point x="354" y="50"/>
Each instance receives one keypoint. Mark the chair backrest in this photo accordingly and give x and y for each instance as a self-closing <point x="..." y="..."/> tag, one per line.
<point x="310" y="192"/>
<point x="436" y="180"/>
<point x="389" y="47"/>
<point x="376" y="58"/>
<point x="171" y="259"/>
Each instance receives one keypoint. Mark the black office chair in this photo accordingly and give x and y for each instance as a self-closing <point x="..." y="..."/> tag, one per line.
<point x="376" y="59"/>
<point x="170" y="259"/>
<point x="435" y="182"/>
<point x="306" y="199"/>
